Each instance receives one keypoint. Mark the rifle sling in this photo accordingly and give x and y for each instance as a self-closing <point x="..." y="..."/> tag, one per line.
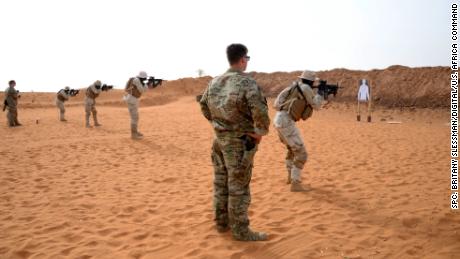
<point x="301" y="93"/>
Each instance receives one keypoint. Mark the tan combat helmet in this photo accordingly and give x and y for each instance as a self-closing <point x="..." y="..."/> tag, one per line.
<point x="97" y="83"/>
<point x="309" y="75"/>
<point x="67" y="88"/>
<point x="142" y="74"/>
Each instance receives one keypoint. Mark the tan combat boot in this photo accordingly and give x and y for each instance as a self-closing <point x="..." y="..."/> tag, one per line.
<point x="16" y="122"/>
<point x="296" y="186"/>
<point x="62" y="117"/>
<point x="134" y="133"/>
<point x="252" y="236"/>
<point x="222" y="228"/>
<point x="96" y="123"/>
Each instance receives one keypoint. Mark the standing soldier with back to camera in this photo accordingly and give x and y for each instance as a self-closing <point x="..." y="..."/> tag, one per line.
<point x="11" y="103"/>
<point x="61" y="97"/>
<point x="236" y="108"/>
<point x="92" y="92"/>
<point x="294" y="103"/>
<point x="134" y="89"/>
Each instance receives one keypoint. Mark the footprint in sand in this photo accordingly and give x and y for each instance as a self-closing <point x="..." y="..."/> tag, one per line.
<point x="105" y="232"/>
<point x="410" y="222"/>
<point x="67" y="250"/>
<point x="140" y="237"/>
<point x="22" y="254"/>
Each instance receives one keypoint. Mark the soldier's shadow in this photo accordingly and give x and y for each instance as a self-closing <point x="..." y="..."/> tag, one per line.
<point x="148" y="143"/>
<point x="359" y="209"/>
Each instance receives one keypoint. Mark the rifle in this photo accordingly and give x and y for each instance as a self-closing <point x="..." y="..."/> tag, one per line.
<point x="154" y="82"/>
<point x="72" y="92"/>
<point x="325" y="90"/>
<point x="106" y="87"/>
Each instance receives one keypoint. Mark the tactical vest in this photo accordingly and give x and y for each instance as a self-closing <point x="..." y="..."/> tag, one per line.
<point x="296" y="105"/>
<point x="131" y="88"/>
<point x="91" y="94"/>
<point x="60" y="97"/>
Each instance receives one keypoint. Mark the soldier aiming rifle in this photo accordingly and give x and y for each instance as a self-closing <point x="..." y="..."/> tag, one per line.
<point x="297" y="102"/>
<point x="92" y="92"/>
<point x="61" y="97"/>
<point x="134" y="89"/>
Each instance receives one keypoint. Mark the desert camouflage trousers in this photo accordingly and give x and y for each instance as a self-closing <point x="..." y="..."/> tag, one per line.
<point x="289" y="135"/>
<point x="133" y="108"/>
<point x="60" y="105"/>
<point x="233" y="164"/>
<point x="90" y="107"/>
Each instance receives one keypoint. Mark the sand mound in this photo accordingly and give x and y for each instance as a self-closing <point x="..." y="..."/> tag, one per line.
<point x="396" y="86"/>
<point x="168" y="92"/>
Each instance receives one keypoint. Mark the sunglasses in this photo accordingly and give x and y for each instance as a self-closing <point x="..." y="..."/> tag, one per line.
<point x="248" y="58"/>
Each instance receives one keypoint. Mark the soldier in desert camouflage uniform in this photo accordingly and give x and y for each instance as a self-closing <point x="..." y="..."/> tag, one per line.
<point x="237" y="110"/>
<point x="134" y="89"/>
<point x="92" y="92"/>
<point x="61" y="97"/>
<point x="294" y="103"/>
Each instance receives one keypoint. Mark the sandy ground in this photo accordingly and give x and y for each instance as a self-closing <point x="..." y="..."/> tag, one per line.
<point x="379" y="190"/>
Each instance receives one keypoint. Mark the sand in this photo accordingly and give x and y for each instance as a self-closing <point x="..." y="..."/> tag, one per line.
<point x="379" y="190"/>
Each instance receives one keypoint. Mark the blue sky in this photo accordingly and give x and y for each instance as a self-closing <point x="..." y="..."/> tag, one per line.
<point x="49" y="44"/>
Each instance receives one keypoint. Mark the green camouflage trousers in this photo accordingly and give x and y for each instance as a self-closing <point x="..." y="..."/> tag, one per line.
<point x="12" y="116"/>
<point x="233" y="164"/>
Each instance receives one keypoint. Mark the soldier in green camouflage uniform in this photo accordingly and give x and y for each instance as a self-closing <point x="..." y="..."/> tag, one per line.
<point x="11" y="103"/>
<point x="236" y="108"/>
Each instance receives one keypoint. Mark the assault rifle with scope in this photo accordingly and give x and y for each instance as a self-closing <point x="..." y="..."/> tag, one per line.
<point x="325" y="89"/>
<point x="72" y="92"/>
<point x="153" y="82"/>
<point x="105" y="87"/>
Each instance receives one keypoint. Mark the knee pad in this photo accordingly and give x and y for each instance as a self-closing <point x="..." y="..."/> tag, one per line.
<point x="300" y="157"/>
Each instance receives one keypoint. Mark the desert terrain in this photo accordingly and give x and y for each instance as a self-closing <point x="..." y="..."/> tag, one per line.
<point x="379" y="190"/>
